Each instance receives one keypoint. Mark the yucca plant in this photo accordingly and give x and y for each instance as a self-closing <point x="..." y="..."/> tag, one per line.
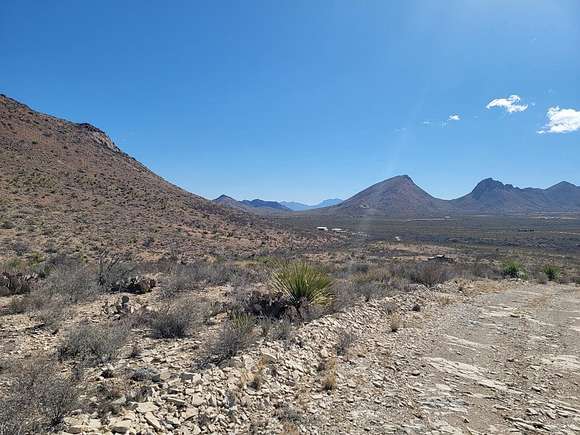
<point x="302" y="283"/>
<point x="513" y="269"/>
<point x="551" y="272"/>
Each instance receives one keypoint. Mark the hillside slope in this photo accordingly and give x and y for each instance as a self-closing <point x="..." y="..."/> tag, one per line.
<point x="400" y="197"/>
<point x="494" y="197"/>
<point x="67" y="186"/>
<point x="397" y="196"/>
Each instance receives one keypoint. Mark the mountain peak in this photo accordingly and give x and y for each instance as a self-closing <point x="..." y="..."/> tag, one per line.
<point x="562" y="185"/>
<point x="488" y="185"/>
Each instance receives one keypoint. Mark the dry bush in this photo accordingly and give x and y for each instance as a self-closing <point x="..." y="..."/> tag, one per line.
<point x="429" y="273"/>
<point x="345" y="341"/>
<point x="395" y="322"/>
<point x="38" y="399"/>
<point x="175" y="321"/>
<point x="179" y="279"/>
<point x="71" y="283"/>
<point x="237" y="334"/>
<point x="328" y="368"/>
<point x="111" y="270"/>
<point x="90" y="345"/>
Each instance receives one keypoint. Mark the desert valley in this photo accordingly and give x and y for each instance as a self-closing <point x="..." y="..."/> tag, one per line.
<point x="132" y="306"/>
<point x="290" y="217"/>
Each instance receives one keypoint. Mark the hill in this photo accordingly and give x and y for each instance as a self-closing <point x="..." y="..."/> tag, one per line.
<point x="397" y="196"/>
<point x="255" y="206"/>
<point x="298" y="206"/>
<point x="494" y="197"/>
<point x="67" y="186"/>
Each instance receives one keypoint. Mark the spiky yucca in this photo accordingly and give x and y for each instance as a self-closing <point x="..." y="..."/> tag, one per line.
<point x="552" y="272"/>
<point x="301" y="282"/>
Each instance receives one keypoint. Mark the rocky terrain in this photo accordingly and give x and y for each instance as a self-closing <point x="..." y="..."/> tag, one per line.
<point x="474" y="357"/>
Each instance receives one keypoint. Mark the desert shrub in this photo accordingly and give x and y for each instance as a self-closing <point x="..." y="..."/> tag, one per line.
<point x="111" y="269"/>
<point x="38" y="398"/>
<point x="174" y="321"/>
<point x="53" y="313"/>
<point x="345" y="341"/>
<point x="513" y="269"/>
<point x="180" y="278"/>
<point x="371" y="290"/>
<point x="344" y="295"/>
<point x="300" y="282"/>
<point x="93" y="344"/>
<point x="551" y="272"/>
<point x="14" y="284"/>
<point x="237" y="334"/>
<point x="72" y="283"/>
<point x="429" y="273"/>
<point x="395" y="322"/>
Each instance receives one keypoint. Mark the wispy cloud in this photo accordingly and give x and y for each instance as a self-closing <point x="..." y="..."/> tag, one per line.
<point x="454" y="117"/>
<point x="561" y="121"/>
<point x="510" y="104"/>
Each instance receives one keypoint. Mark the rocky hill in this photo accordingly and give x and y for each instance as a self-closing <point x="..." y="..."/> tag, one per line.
<point x="494" y="197"/>
<point x="68" y="187"/>
<point x="397" y="196"/>
<point x="401" y="197"/>
<point x="255" y="206"/>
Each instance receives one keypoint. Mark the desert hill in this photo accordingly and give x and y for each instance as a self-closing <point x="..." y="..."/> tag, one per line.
<point x="397" y="196"/>
<point x="401" y="197"/>
<point x="255" y="206"/>
<point x="68" y="187"/>
<point x="494" y="197"/>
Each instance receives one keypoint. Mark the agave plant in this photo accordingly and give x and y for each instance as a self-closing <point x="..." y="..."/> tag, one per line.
<point x="301" y="282"/>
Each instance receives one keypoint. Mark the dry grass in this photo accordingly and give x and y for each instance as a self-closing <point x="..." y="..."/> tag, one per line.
<point x="395" y="322"/>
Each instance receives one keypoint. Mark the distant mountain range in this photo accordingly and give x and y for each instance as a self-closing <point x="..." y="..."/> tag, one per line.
<point x="298" y="206"/>
<point x="265" y="207"/>
<point x="401" y="197"/>
<point x="257" y="206"/>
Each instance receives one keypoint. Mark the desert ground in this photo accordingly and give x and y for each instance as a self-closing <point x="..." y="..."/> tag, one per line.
<point x="415" y="338"/>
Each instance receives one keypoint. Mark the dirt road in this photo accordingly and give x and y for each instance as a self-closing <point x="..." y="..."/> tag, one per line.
<point x="502" y="362"/>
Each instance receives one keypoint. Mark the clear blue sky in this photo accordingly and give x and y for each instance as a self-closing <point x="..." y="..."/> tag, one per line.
<point x="305" y="100"/>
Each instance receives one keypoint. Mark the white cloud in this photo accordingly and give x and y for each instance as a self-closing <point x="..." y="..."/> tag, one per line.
<point x="454" y="117"/>
<point x="561" y="121"/>
<point x="510" y="104"/>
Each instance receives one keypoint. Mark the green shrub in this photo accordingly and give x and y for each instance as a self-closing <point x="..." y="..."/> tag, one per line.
<point x="513" y="269"/>
<point x="300" y="283"/>
<point x="551" y="272"/>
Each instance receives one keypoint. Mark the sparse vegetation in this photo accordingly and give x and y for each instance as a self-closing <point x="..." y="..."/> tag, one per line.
<point x="345" y="341"/>
<point x="91" y="345"/>
<point x="551" y="272"/>
<point x="303" y="283"/>
<point x="38" y="399"/>
<point x="237" y="334"/>
<point x="395" y="322"/>
<point x="173" y="321"/>
<point x="513" y="269"/>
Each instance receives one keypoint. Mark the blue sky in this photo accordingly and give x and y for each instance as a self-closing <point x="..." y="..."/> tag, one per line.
<point x="306" y="100"/>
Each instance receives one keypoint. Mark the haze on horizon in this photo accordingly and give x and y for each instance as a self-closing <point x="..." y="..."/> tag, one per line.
<point x="305" y="101"/>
